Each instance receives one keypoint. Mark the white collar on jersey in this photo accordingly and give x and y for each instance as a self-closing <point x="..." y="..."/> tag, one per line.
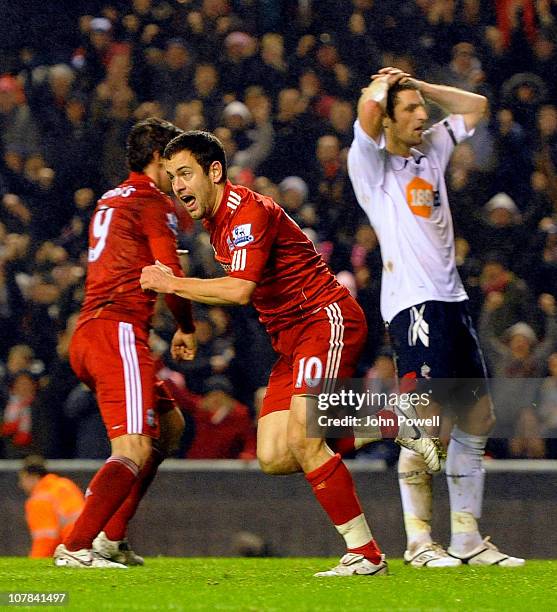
<point x="399" y="163"/>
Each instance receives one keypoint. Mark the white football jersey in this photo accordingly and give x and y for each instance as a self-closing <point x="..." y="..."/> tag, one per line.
<point x="406" y="202"/>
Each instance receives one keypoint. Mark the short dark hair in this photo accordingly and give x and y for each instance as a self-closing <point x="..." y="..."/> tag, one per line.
<point x="204" y="146"/>
<point x="393" y="92"/>
<point x="145" y="139"/>
<point x="34" y="465"/>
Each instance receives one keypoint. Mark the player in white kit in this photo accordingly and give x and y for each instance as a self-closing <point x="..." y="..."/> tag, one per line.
<point x="397" y="170"/>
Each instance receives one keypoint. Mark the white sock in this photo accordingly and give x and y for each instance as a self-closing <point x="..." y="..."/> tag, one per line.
<point x="415" y="494"/>
<point x="465" y="477"/>
<point x="356" y="532"/>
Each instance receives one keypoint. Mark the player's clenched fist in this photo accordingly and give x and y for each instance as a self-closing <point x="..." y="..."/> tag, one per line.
<point x="157" y="278"/>
<point x="183" y="346"/>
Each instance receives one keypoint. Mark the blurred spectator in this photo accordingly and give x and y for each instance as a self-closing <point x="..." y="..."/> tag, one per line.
<point x="252" y="133"/>
<point x="295" y="131"/>
<point x="512" y="150"/>
<point x="329" y="185"/>
<point x="507" y="297"/>
<point x="205" y="88"/>
<point x="174" y="75"/>
<point x="73" y="236"/>
<point x="545" y="57"/>
<point x="17" y="416"/>
<point x="189" y="115"/>
<point x="523" y="94"/>
<point x="518" y="364"/>
<point x="237" y="66"/>
<point x="335" y="76"/>
<point x="465" y="69"/>
<point x="501" y="230"/>
<point x="49" y="90"/>
<point x="11" y="299"/>
<point x="97" y="51"/>
<point x="223" y="427"/>
<point x="293" y="197"/>
<point x="213" y="356"/>
<point x="71" y="145"/>
<point x="270" y="69"/>
<point x="18" y="131"/>
<point x="341" y="120"/>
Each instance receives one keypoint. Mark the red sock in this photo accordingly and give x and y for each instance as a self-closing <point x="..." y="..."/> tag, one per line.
<point x="105" y="494"/>
<point x="334" y="489"/>
<point x="371" y="551"/>
<point x="116" y="527"/>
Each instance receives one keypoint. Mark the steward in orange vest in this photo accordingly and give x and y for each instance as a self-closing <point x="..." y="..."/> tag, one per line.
<point x="53" y="505"/>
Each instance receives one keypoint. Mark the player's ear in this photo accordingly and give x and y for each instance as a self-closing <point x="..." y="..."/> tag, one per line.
<point x="215" y="172"/>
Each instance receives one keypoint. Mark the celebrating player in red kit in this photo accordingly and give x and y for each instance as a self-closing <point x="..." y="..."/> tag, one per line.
<point x="133" y="225"/>
<point x="317" y="329"/>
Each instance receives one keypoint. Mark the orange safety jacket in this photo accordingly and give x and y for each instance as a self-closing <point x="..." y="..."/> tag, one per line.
<point x="51" y="510"/>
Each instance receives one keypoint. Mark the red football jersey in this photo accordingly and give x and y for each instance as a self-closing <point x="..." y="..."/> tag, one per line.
<point x="256" y="240"/>
<point x="133" y="225"/>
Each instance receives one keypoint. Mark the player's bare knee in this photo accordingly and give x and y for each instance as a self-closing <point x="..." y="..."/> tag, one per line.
<point x="136" y="447"/>
<point x="270" y="467"/>
<point x="272" y="462"/>
<point x="142" y="450"/>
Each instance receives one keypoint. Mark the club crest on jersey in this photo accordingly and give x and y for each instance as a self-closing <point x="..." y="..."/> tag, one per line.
<point x="241" y="235"/>
<point x="172" y="222"/>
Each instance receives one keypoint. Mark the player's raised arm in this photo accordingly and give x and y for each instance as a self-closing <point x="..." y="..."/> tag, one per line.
<point x="226" y="291"/>
<point x="372" y="104"/>
<point x="470" y="105"/>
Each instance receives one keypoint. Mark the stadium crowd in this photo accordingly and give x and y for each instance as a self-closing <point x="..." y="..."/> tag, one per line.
<point x="277" y="81"/>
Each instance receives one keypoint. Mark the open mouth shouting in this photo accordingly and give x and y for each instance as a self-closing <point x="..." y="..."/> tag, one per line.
<point x="189" y="201"/>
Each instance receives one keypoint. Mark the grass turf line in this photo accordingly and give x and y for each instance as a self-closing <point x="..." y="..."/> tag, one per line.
<point x="266" y="585"/>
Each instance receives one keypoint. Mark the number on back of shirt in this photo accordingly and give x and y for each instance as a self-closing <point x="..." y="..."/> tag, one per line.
<point x="101" y="223"/>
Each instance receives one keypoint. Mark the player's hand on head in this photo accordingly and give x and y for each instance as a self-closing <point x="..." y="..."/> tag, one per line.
<point x="157" y="278"/>
<point x="391" y="75"/>
<point x="183" y="346"/>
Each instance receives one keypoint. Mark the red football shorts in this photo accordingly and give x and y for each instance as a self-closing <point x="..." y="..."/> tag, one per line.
<point x="318" y="350"/>
<point x="113" y="359"/>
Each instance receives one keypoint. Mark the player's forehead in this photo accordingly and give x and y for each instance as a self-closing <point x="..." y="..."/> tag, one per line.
<point x="181" y="160"/>
<point x="408" y="97"/>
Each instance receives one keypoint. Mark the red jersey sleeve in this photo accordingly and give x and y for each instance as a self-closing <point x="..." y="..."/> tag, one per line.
<point x="160" y="226"/>
<point x="253" y="234"/>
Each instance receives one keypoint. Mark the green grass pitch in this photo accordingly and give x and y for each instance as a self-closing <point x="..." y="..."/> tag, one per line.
<point x="253" y="585"/>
